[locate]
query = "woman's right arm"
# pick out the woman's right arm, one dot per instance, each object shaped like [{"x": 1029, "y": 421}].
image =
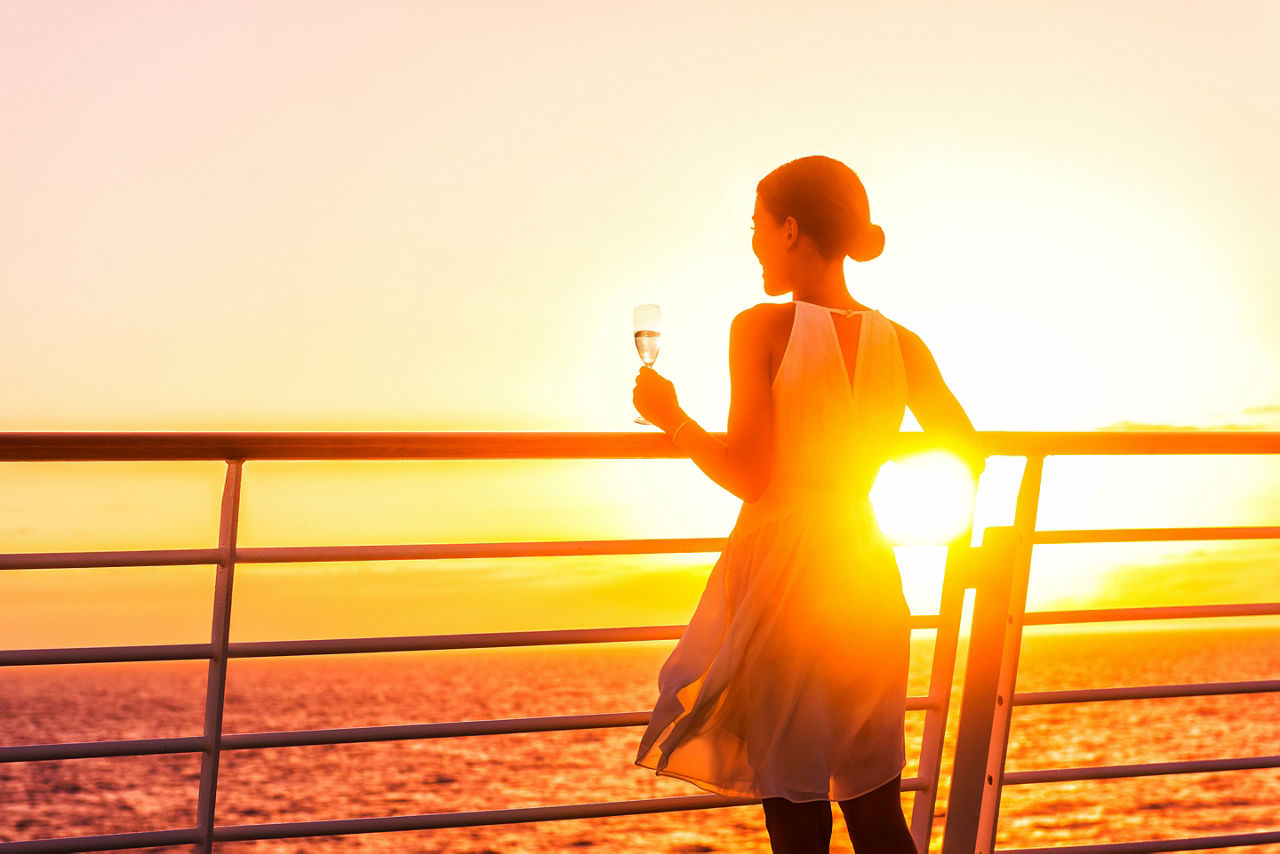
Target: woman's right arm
[
  {"x": 742, "y": 463},
  {"x": 935, "y": 407}
]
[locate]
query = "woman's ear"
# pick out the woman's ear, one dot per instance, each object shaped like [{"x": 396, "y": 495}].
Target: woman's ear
[{"x": 790, "y": 230}]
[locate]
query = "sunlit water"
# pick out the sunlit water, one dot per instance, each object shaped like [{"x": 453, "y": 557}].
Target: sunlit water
[{"x": 124, "y": 701}]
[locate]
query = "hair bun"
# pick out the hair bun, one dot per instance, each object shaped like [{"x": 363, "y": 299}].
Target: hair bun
[
  {"x": 868, "y": 244},
  {"x": 829, "y": 204}
]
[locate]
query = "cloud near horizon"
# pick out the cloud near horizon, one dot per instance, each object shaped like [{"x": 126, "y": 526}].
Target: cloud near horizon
[
  {"x": 1141, "y": 426},
  {"x": 1270, "y": 420}
]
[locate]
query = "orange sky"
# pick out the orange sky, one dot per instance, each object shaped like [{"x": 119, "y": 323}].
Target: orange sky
[{"x": 268, "y": 216}]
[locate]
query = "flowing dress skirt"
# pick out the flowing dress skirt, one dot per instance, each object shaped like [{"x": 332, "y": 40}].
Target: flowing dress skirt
[{"x": 790, "y": 680}]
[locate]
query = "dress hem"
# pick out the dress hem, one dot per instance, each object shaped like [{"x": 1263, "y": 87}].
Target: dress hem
[{"x": 717, "y": 789}]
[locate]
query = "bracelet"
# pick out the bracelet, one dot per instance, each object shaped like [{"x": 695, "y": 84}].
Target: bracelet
[{"x": 676, "y": 432}]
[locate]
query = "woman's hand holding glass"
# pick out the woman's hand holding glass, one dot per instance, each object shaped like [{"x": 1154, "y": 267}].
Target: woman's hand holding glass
[{"x": 654, "y": 398}]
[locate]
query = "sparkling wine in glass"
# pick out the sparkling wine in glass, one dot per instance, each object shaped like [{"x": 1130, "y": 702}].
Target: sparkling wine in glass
[{"x": 648, "y": 328}]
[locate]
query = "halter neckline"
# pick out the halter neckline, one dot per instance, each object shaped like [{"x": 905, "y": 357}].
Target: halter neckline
[{"x": 847, "y": 312}]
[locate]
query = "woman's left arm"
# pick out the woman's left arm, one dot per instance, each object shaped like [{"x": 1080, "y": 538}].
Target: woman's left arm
[
  {"x": 935, "y": 407},
  {"x": 743, "y": 463}
]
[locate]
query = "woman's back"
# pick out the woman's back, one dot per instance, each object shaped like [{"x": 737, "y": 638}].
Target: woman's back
[{"x": 838, "y": 400}]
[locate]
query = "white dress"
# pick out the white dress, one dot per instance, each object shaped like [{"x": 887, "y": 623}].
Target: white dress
[{"x": 791, "y": 678}]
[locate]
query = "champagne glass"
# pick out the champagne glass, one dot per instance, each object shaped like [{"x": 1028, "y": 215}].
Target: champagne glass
[{"x": 648, "y": 328}]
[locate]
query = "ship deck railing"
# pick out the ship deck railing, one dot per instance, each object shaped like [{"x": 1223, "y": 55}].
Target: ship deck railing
[{"x": 997, "y": 571}]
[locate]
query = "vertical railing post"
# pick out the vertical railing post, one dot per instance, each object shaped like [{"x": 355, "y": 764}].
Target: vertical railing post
[
  {"x": 995, "y": 640},
  {"x": 946, "y": 641},
  {"x": 216, "y": 685}
]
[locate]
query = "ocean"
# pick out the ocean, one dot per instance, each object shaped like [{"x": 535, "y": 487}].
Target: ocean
[{"x": 145, "y": 700}]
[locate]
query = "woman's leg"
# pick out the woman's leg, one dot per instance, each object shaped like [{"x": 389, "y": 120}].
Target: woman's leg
[
  {"x": 798, "y": 828},
  {"x": 876, "y": 823}
]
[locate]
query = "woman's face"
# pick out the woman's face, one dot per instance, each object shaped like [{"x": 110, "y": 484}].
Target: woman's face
[{"x": 770, "y": 241}]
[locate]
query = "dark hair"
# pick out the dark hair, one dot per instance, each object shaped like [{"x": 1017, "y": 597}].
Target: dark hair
[{"x": 828, "y": 203}]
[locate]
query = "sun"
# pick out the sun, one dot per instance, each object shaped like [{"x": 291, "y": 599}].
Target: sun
[{"x": 926, "y": 498}]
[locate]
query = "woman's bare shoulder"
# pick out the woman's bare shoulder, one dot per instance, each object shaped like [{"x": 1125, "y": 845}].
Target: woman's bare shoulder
[
  {"x": 762, "y": 310},
  {"x": 762, "y": 316},
  {"x": 915, "y": 354},
  {"x": 908, "y": 340}
]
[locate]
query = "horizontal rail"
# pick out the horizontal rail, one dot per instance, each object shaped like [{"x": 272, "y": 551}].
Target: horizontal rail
[
  {"x": 1147, "y": 769},
  {"x": 544, "y": 548},
  {"x": 1153, "y": 535},
  {"x": 109, "y": 560},
  {"x": 314, "y": 737},
  {"x": 342, "y": 646},
  {"x": 330, "y": 554},
  {"x": 508, "y": 726},
  {"x": 482, "y": 818},
  {"x": 346, "y": 735},
  {"x": 103, "y": 749},
  {"x": 1199, "y": 843},
  {"x": 106, "y": 842},
  {"x": 1145, "y": 692},
  {"x": 424, "y": 643},
  {"x": 94, "y": 446},
  {"x": 479, "y": 818},
  {"x": 552, "y": 548},
  {"x": 106, "y": 654},
  {"x": 1166, "y": 612},
  {"x": 451, "y": 729},
  {"x": 429, "y": 821},
  {"x": 488, "y": 640},
  {"x": 457, "y": 729},
  {"x": 354, "y": 646},
  {"x": 32, "y": 447}
]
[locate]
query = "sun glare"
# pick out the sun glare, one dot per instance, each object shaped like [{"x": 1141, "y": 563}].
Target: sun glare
[{"x": 924, "y": 498}]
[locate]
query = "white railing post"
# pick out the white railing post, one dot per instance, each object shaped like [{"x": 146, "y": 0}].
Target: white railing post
[
  {"x": 216, "y": 686},
  {"x": 995, "y": 639},
  {"x": 942, "y": 673}
]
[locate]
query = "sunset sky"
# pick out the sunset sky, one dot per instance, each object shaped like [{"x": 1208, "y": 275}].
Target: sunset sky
[{"x": 428, "y": 216}]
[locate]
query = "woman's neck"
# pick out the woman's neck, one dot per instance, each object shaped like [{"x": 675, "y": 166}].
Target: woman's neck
[{"x": 824, "y": 285}]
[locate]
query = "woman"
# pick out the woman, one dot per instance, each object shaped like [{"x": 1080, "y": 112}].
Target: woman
[{"x": 789, "y": 684}]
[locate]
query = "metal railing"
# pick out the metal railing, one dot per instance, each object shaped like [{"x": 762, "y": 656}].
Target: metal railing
[
  {"x": 999, "y": 615},
  {"x": 998, "y": 571}
]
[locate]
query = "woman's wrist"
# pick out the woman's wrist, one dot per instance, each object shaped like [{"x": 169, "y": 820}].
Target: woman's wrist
[
  {"x": 677, "y": 421},
  {"x": 675, "y": 434}
]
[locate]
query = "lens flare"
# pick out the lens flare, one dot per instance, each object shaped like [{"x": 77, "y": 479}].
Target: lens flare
[{"x": 924, "y": 498}]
